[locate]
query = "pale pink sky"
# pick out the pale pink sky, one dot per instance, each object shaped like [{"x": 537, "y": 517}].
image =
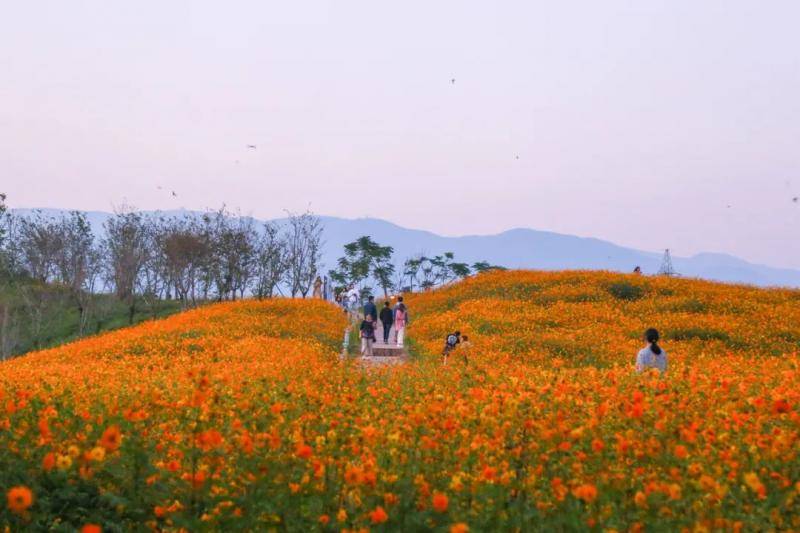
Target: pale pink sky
[{"x": 639, "y": 121}]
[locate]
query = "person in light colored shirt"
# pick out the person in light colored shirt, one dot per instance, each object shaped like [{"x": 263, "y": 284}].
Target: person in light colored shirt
[{"x": 651, "y": 356}]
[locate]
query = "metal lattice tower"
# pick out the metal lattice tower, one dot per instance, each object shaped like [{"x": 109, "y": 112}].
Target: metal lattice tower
[{"x": 666, "y": 268}]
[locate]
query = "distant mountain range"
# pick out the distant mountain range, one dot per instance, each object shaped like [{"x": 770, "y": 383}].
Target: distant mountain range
[{"x": 525, "y": 248}]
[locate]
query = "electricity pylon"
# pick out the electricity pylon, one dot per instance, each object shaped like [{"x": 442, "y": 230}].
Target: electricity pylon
[{"x": 666, "y": 268}]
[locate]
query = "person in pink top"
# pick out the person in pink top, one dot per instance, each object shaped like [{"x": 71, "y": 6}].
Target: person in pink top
[{"x": 400, "y": 320}]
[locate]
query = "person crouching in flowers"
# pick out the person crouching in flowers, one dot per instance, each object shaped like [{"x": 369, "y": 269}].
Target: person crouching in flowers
[
  {"x": 651, "y": 356},
  {"x": 464, "y": 349},
  {"x": 451, "y": 342},
  {"x": 367, "y": 336}
]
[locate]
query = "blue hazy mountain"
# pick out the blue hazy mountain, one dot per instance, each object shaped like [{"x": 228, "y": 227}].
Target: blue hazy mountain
[{"x": 524, "y": 248}]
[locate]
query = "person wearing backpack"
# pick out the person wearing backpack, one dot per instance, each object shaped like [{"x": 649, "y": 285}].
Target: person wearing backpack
[
  {"x": 451, "y": 341},
  {"x": 370, "y": 309},
  {"x": 387, "y": 318},
  {"x": 367, "y": 336},
  {"x": 401, "y": 320}
]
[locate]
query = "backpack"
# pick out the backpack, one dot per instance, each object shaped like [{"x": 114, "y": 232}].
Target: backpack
[{"x": 400, "y": 317}]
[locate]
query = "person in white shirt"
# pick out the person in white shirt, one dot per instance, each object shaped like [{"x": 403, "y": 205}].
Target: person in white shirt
[{"x": 651, "y": 356}]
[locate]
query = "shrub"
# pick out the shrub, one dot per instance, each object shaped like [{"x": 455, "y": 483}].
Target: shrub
[{"x": 625, "y": 290}]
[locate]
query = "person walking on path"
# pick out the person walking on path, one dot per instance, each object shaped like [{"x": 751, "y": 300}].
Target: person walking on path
[
  {"x": 401, "y": 320},
  {"x": 370, "y": 309},
  {"x": 352, "y": 302},
  {"x": 367, "y": 336},
  {"x": 317, "y": 288},
  {"x": 651, "y": 356},
  {"x": 387, "y": 318}
]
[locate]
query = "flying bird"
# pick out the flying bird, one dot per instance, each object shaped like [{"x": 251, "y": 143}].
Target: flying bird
[
  {"x": 251, "y": 146},
  {"x": 517, "y": 157},
  {"x": 173, "y": 194},
  {"x": 795, "y": 199},
  {"x": 452, "y": 81}
]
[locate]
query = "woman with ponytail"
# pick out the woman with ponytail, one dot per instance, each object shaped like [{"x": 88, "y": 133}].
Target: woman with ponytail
[{"x": 651, "y": 356}]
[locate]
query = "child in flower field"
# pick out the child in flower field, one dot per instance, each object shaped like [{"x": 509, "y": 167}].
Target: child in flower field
[
  {"x": 367, "y": 336},
  {"x": 651, "y": 356}
]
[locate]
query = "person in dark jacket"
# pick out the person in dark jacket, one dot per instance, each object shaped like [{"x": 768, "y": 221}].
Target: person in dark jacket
[
  {"x": 370, "y": 309},
  {"x": 367, "y": 336},
  {"x": 387, "y": 317}
]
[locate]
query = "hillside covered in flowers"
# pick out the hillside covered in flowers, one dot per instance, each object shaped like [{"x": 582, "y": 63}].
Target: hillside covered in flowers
[{"x": 242, "y": 416}]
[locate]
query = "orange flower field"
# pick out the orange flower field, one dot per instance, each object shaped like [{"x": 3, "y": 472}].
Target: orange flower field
[{"x": 241, "y": 416}]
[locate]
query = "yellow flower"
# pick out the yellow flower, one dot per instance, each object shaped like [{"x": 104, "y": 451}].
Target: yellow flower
[
  {"x": 63, "y": 462},
  {"x": 98, "y": 453}
]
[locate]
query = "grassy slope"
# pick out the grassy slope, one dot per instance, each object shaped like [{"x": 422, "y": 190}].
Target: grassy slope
[{"x": 61, "y": 317}]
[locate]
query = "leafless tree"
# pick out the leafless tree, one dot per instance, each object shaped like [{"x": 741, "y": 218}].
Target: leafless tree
[
  {"x": 304, "y": 252},
  {"x": 271, "y": 260},
  {"x": 182, "y": 251},
  {"x": 127, "y": 247},
  {"x": 37, "y": 245},
  {"x": 78, "y": 263},
  {"x": 232, "y": 259}
]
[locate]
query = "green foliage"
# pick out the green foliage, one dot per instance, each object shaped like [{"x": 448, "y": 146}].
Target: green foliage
[
  {"x": 364, "y": 258},
  {"x": 625, "y": 290}
]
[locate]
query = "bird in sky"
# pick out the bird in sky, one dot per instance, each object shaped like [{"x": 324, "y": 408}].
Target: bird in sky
[
  {"x": 517, "y": 157},
  {"x": 452, "y": 80},
  {"x": 795, "y": 199},
  {"x": 251, "y": 146},
  {"x": 174, "y": 194}
]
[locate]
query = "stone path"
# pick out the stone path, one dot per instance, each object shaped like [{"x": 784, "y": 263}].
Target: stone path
[{"x": 382, "y": 354}]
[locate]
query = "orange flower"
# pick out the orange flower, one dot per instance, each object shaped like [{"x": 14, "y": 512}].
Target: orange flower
[
  {"x": 49, "y": 461},
  {"x": 91, "y": 528},
  {"x": 440, "y": 502},
  {"x": 378, "y": 515},
  {"x": 304, "y": 451},
  {"x": 111, "y": 438},
  {"x": 460, "y": 527},
  {"x": 681, "y": 452},
  {"x": 640, "y": 499},
  {"x": 19, "y": 498},
  {"x": 586, "y": 492},
  {"x": 781, "y": 406}
]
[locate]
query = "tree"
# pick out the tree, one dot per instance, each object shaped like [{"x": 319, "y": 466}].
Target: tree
[
  {"x": 182, "y": 252},
  {"x": 364, "y": 258},
  {"x": 3, "y": 231},
  {"x": 429, "y": 272},
  {"x": 38, "y": 242},
  {"x": 304, "y": 249},
  {"x": 233, "y": 253},
  {"x": 127, "y": 248},
  {"x": 271, "y": 260},
  {"x": 484, "y": 266},
  {"x": 78, "y": 262}
]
